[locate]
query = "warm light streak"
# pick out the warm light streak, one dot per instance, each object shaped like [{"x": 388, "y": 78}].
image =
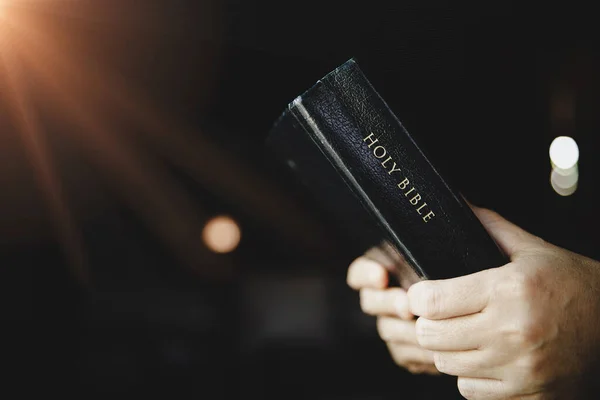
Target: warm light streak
[
  {"x": 3, "y": 16},
  {"x": 58, "y": 70},
  {"x": 43, "y": 164},
  {"x": 41, "y": 69}
]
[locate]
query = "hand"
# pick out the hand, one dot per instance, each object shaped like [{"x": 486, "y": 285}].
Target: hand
[
  {"x": 396, "y": 325},
  {"x": 526, "y": 330}
]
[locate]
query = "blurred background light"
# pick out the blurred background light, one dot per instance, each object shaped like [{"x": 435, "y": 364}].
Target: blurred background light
[
  {"x": 221, "y": 234},
  {"x": 564, "y": 156},
  {"x": 148, "y": 118},
  {"x": 564, "y": 185},
  {"x": 564, "y": 180},
  {"x": 564, "y": 153}
]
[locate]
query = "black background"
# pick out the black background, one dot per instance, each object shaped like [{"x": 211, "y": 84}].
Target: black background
[{"x": 473, "y": 83}]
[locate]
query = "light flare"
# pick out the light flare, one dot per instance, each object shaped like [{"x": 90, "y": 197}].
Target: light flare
[
  {"x": 37, "y": 66},
  {"x": 50, "y": 68},
  {"x": 564, "y": 157}
]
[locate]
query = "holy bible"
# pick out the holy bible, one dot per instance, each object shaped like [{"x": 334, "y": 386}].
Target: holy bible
[{"x": 349, "y": 149}]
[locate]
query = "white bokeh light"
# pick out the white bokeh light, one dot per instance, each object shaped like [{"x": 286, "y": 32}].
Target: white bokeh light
[
  {"x": 564, "y": 156},
  {"x": 561, "y": 188},
  {"x": 564, "y": 181},
  {"x": 564, "y": 153}
]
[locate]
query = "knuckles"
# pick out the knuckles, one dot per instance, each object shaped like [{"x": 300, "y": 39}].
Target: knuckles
[
  {"x": 526, "y": 326},
  {"x": 516, "y": 285},
  {"x": 525, "y": 287},
  {"x": 531, "y": 367},
  {"x": 524, "y": 333}
]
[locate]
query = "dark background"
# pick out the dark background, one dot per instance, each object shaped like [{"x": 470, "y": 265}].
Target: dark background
[{"x": 476, "y": 85}]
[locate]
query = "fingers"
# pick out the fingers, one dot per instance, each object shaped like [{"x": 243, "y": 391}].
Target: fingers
[
  {"x": 455, "y": 334},
  {"x": 483, "y": 389},
  {"x": 392, "y": 301},
  {"x": 406, "y": 354},
  {"x": 422, "y": 369},
  {"x": 450, "y": 298},
  {"x": 396, "y": 330},
  {"x": 472, "y": 363},
  {"x": 366, "y": 273},
  {"x": 371, "y": 278},
  {"x": 509, "y": 236}
]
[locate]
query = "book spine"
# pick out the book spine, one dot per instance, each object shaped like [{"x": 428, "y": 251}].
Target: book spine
[
  {"x": 303, "y": 117},
  {"x": 412, "y": 204}
]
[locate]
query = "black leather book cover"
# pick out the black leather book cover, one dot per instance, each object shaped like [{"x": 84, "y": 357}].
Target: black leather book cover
[{"x": 363, "y": 167}]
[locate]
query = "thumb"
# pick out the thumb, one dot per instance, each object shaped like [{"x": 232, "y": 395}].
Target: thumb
[{"x": 509, "y": 236}]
